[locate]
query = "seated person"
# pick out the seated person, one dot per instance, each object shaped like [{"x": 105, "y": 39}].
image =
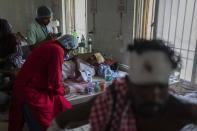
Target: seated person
[
  {"x": 10, "y": 60},
  {"x": 10, "y": 48},
  {"x": 140, "y": 101}
]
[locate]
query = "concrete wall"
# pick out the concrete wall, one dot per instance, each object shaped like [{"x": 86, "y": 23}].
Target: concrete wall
[
  {"x": 108, "y": 27},
  {"x": 20, "y": 13}
]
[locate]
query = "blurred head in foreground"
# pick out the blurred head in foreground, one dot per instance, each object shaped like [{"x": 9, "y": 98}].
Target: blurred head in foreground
[{"x": 151, "y": 63}]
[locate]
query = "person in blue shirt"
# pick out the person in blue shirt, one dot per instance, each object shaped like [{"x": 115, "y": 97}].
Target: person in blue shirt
[{"x": 39, "y": 30}]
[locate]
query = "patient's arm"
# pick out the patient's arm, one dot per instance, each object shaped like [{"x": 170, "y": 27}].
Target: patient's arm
[{"x": 75, "y": 117}]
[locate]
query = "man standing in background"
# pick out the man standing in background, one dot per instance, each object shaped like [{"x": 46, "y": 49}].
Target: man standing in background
[{"x": 38, "y": 30}]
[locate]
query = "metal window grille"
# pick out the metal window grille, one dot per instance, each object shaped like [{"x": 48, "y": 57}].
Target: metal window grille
[{"x": 174, "y": 21}]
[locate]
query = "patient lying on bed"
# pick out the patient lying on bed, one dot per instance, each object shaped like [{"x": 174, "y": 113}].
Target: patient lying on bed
[{"x": 95, "y": 64}]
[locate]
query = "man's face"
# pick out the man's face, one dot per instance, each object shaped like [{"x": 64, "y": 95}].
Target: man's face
[
  {"x": 45, "y": 20},
  {"x": 149, "y": 100}
]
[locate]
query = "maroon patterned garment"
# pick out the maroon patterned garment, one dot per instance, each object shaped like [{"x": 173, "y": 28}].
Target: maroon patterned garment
[{"x": 122, "y": 118}]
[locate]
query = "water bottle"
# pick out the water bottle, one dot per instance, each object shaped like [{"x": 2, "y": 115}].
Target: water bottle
[
  {"x": 89, "y": 76},
  {"x": 83, "y": 39},
  {"x": 74, "y": 33},
  {"x": 89, "y": 46},
  {"x": 81, "y": 47},
  {"x": 90, "y": 42},
  {"x": 76, "y": 36},
  {"x": 89, "y": 89},
  {"x": 115, "y": 74},
  {"x": 96, "y": 87},
  {"x": 108, "y": 74}
]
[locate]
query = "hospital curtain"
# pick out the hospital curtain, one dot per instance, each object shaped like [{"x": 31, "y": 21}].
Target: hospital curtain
[
  {"x": 70, "y": 16},
  {"x": 142, "y": 20}
]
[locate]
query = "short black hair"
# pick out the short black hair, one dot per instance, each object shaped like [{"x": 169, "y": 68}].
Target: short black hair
[{"x": 143, "y": 45}]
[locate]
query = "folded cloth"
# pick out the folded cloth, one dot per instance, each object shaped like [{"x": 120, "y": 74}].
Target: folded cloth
[
  {"x": 76, "y": 87},
  {"x": 190, "y": 127},
  {"x": 189, "y": 97},
  {"x": 68, "y": 69},
  {"x": 86, "y": 70}
]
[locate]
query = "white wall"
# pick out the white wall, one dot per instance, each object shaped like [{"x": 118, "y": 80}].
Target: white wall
[
  {"x": 20, "y": 13},
  {"x": 108, "y": 26},
  {"x": 80, "y": 17}
]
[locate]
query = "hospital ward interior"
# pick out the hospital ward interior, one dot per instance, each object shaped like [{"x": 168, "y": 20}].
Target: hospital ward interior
[{"x": 98, "y": 65}]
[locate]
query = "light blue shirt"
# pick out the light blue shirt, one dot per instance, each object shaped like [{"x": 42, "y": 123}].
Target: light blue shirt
[{"x": 36, "y": 33}]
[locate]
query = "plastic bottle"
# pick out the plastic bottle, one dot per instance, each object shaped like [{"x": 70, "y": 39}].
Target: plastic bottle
[
  {"x": 81, "y": 48},
  {"x": 89, "y": 76},
  {"x": 76, "y": 36},
  {"x": 90, "y": 42},
  {"x": 82, "y": 39},
  {"x": 108, "y": 74},
  {"x": 74, "y": 33},
  {"x": 96, "y": 87},
  {"x": 89, "y": 89}
]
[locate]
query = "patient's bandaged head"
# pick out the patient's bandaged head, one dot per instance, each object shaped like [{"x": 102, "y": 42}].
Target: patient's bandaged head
[
  {"x": 149, "y": 67},
  {"x": 151, "y": 61},
  {"x": 99, "y": 58}
]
